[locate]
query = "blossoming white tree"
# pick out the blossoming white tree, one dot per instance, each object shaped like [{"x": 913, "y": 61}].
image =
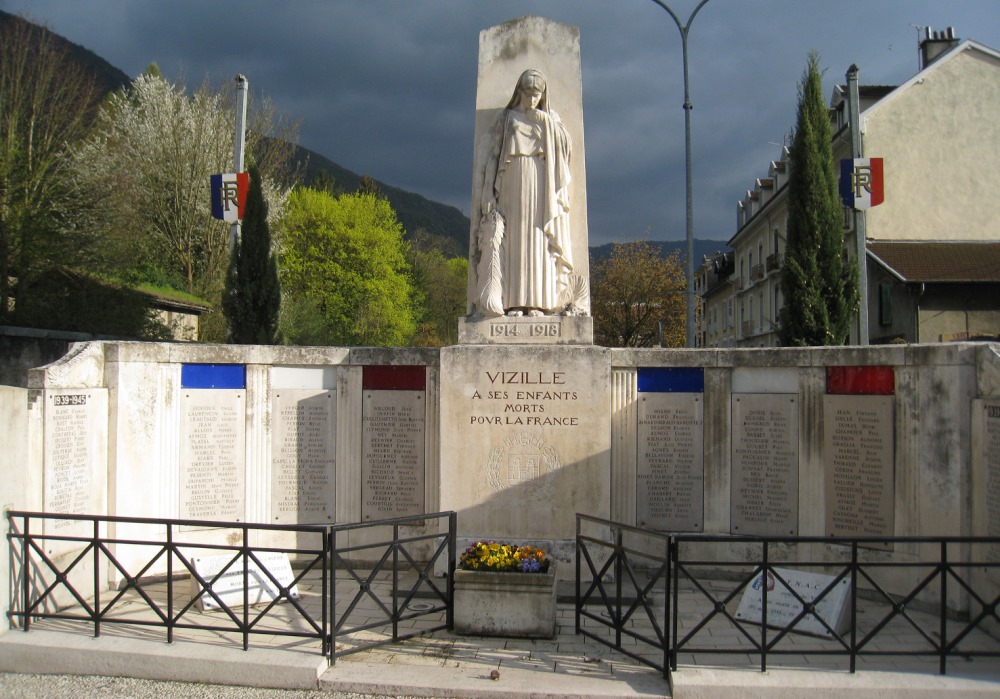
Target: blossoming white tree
[{"x": 147, "y": 167}]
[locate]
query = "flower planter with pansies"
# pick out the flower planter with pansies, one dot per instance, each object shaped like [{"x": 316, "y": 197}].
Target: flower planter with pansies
[{"x": 504, "y": 590}]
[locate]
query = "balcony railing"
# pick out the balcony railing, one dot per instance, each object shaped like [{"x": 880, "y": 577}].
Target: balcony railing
[
  {"x": 773, "y": 262},
  {"x": 756, "y": 273}
]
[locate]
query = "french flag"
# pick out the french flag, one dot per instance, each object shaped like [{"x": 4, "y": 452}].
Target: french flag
[
  {"x": 229, "y": 195},
  {"x": 862, "y": 185}
]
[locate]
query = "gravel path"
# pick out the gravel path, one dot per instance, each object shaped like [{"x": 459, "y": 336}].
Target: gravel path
[{"x": 17, "y": 686}]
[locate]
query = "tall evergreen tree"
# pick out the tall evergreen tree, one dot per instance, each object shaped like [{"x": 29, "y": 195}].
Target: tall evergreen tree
[
  {"x": 252, "y": 297},
  {"x": 819, "y": 285}
]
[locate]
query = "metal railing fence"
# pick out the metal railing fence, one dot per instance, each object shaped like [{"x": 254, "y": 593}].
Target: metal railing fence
[
  {"x": 411, "y": 577},
  {"x": 108, "y": 570},
  {"x": 918, "y": 597}
]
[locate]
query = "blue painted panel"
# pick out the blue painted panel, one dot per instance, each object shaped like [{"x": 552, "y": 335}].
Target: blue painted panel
[
  {"x": 213, "y": 376},
  {"x": 671, "y": 380}
]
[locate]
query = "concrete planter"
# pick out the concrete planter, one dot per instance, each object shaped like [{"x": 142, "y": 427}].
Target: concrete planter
[{"x": 521, "y": 605}]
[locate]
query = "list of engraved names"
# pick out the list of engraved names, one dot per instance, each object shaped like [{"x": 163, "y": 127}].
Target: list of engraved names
[
  {"x": 302, "y": 456},
  {"x": 765, "y": 490},
  {"x": 670, "y": 455},
  {"x": 991, "y": 440},
  {"x": 68, "y": 461},
  {"x": 859, "y": 465},
  {"x": 392, "y": 465},
  {"x": 213, "y": 428}
]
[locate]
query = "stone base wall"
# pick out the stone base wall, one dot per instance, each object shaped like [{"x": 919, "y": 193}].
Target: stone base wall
[{"x": 880, "y": 441}]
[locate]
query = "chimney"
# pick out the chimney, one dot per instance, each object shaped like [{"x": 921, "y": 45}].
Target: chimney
[{"x": 936, "y": 43}]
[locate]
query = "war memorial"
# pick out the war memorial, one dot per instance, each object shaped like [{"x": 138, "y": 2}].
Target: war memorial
[{"x": 524, "y": 424}]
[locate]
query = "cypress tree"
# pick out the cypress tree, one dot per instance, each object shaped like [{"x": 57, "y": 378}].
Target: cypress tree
[
  {"x": 252, "y": 296},
  {"x": 818, "y": 284}
]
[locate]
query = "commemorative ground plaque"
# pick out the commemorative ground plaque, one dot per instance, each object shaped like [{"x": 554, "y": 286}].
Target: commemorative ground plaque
[{"x": 828, "y": 599}]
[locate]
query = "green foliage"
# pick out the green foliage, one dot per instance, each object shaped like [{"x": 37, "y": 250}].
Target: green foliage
[
  {"x": 46, "y": 103},
  {"x": 633, "y": 290},
  {"x": 441, "y": 285},
  {"x": 344, "y": 271},
  {"x": 252, "y": 296},
  {"x": 370, "y": 186},
  {"x": 147, "y": 166},
  {"x": 819, "y": 287}
]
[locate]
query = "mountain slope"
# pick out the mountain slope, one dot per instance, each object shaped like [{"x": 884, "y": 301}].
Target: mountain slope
[
  {"x": 701, "y": 248},
  {"x": 106, "y": 77},
  {"x": 414, "y": 211}
]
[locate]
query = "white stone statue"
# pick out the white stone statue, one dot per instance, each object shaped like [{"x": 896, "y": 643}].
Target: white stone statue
[{"x": 526, "y": 261}]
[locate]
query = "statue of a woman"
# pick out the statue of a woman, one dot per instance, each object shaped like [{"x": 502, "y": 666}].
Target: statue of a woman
[{"x": 524, "y": 235}]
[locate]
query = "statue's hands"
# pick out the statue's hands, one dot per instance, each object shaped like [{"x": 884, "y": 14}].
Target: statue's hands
[{"x": 488, "y": 205}]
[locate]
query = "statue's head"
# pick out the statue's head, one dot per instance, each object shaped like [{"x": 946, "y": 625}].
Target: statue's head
[{"x": 531, "y": 83}]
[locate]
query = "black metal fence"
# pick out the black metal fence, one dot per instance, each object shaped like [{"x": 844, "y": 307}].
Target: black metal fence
[
  {"x": 105, "y": 570},
  {"x": 619, "y": 570},
  {"x": 932, "y": 598},
  {"x": 394, "y": 577}
]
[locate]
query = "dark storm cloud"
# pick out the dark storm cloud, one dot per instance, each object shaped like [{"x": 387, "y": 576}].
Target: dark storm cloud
[{"x": 387, "y": 87}]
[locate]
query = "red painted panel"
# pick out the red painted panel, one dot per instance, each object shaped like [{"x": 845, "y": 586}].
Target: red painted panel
[
  {"x": 394, "y": 378},
  {"x": 861, "y": 380}
]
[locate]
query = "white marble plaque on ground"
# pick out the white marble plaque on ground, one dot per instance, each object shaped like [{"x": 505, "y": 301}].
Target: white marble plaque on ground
[
  {"x": 783, "y": 607},
  {"x": 75, "y": 446},
  {"x": 991, "y": 460},
  {"x": 669, "y": 463},
  {"x": 858, "y": 455},
  {"x": 303, "y": 452},
  {"x": 392, "y": 461},
  {"x": 229, "y": 587},
  {"x": 213, "y": 445},
  {"x": 765, "y": 463}
]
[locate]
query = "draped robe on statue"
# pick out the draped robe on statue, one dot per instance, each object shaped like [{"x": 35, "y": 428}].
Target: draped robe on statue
[{"x": 532, "y": 194}]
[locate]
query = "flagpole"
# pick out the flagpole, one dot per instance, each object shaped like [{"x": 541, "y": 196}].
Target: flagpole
[
  {"x": 242, "y": 86},
  {"x": 854, "y": 115}
]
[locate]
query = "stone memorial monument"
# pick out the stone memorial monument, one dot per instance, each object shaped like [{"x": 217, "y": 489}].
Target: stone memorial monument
[
  {"x": 525, "y": 392},
  {"x": 528, "y": 247}
]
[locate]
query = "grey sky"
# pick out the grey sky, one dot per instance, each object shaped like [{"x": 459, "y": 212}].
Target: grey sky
[{"x": 387, "y": 87}]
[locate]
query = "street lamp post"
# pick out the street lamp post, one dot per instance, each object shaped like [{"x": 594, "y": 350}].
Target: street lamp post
[{"x": 684, "y": 29}]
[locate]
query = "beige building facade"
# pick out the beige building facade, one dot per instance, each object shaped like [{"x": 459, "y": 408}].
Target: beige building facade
[{"x": 939, "y": 140}]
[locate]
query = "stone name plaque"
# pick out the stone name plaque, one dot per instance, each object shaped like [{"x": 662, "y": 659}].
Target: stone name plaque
[
  {"x": 303, "y": 452},
  {"x": 229, "y": 586},
  {"x": 74, "y": 451},
  {"x": 783, "y": 607},
  {"x": 991, "y": 460},
  {"x": 669, "y": 463},
  {"x": 213, "y": 444},
  {"x": 765, "y": 458},
  {"x": 858, "y": 455},
  {"x": 392, "y": 461}
]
